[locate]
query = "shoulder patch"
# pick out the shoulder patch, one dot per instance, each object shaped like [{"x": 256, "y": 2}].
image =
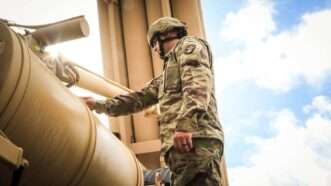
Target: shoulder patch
[
  {"x": 203, "y": 54},
  {"x": 189, "y": 49}
]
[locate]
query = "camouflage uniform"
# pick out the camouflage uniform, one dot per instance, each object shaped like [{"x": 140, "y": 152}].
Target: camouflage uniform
[{"x": 185, "y": 93}]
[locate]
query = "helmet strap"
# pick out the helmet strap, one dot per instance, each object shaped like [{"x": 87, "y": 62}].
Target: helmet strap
[
  {"x": 161, "y": 42},
  {"x": 162, "y": 52},
  {"x": 180, "y": 33}
]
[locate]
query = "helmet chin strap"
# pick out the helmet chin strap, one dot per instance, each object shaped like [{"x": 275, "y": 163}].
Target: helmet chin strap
[
  {"x": 162, "y": 53},
  {"x": 161, "y": 42}
]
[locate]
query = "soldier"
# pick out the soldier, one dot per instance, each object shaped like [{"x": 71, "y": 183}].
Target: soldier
[{"x": 190, "y": 131}]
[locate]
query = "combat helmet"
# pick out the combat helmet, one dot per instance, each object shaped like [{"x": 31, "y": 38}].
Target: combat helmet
[{"x": 165, "y": 24}]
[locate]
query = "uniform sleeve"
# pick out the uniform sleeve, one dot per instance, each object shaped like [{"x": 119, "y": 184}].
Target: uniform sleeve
[
  {"x": 196, "y": 78},
  {"x": 132, "y": 102}
]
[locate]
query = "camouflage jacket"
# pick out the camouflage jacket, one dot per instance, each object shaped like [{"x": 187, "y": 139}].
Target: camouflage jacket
[{"x": 184, "y": 91}]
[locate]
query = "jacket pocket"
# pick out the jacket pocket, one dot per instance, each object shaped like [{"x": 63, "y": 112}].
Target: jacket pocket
[{"x": 172, "y": 82}]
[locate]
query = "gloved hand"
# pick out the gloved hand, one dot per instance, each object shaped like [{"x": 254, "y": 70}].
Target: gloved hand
[
  {"x": 61, "y": 67},
  {"x": 66, "y": 71}
]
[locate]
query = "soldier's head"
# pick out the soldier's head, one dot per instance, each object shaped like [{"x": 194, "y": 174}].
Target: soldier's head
[{"x": 163, "y": 31}]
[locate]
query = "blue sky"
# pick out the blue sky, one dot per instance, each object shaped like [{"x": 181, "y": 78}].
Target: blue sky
[{"x": 273, "y": 75}]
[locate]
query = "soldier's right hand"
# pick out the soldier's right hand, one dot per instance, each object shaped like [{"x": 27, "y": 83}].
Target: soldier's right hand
[
  {"x": 183, "y": 141},
  {"x": 90, "y": 102}
]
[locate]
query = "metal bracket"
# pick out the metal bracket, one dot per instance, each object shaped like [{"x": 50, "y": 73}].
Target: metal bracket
[{"x": 12, "y": 155}]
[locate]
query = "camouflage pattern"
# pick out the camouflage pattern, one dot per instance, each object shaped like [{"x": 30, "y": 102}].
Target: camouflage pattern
[
  {"x": 162, "y": 25},
  {"x": 200, "y": 166},
  {"x": 184, "y": 91}
]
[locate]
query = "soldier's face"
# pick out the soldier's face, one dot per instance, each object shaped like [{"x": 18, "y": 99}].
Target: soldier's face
[{"x": 166, "y": 44}]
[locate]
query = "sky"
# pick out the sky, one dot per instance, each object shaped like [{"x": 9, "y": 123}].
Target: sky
[
  {"x": 272, "y": 64},
  {"x": 273, "y": 75}
]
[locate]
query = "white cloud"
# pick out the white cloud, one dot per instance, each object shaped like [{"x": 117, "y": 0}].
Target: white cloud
[
  {"x": 320, "y": 103},
  {"x": 296, "y": 155},
  {"x": 275, "y": 61},
  {"x": 252, "y": 23}
]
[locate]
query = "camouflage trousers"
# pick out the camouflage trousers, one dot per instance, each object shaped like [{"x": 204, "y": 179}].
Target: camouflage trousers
[{"x": 200, "y": 166}]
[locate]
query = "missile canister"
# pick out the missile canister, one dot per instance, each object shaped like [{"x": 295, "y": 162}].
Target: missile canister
[{"x": 62, "y": 140}]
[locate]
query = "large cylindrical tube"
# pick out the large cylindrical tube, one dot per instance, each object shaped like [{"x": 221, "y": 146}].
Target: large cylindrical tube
[
  {"x": 139, "y": 62},
  {"x": 98, "y": 84},
  {"x": 63, "y": 142},
  {"x": 62, "y": 31},
  {"x": 113, "y": 57},
  {"x": 156, "y": 9},
  {"x": 194, "y": 23}
]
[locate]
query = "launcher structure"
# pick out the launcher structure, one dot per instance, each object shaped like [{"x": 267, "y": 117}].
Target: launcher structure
[{"x": 127, "y": 59}]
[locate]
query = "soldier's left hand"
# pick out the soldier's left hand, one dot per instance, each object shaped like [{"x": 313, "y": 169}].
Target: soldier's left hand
[{"x": 183, "y": 141}]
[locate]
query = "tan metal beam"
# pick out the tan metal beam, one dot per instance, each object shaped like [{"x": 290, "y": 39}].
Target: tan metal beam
[
  {"x": 146, "y": 146},
  {"x": 192, "y": 15},
  {"x": 62, "y": 31},
  {"x": 10, "y": 153},
  {"x": 139, "y": 61},
  {"x": 98, "y": 84},
  {"x": 156, "y": 9},
  {"x": 166, "y": 8},
  {"x": 113, "y": 55},
  {"x": 225, "y": 178}
]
